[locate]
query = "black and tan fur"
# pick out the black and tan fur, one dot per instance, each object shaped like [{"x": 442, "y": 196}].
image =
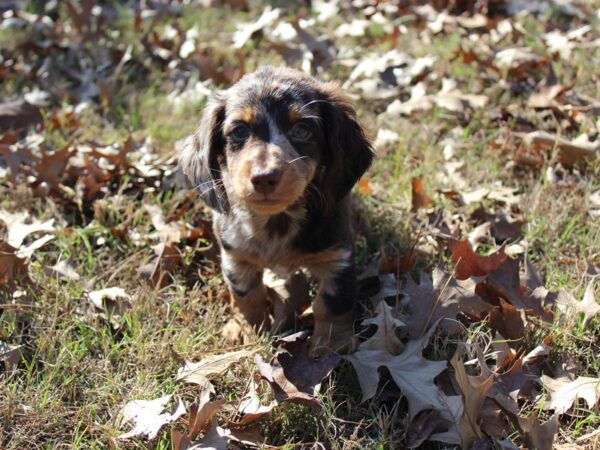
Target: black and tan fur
[{"x": 275, "y": 157}]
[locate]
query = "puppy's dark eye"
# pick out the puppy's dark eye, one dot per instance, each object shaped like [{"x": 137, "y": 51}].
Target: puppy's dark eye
[
  {"x": 240, "y": 133},
  {"x": 301, "y": 132}
]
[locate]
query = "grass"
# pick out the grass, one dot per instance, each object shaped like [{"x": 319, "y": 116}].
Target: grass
[{"x": 77, "y": 371}]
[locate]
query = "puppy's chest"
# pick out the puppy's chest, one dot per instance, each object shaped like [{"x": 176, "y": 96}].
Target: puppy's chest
[{"x": 264, "y": 241}]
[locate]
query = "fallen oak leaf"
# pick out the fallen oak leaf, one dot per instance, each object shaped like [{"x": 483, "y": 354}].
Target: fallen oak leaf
[
  {"x": 470, "y": 264},
  {"x": 539, "y": 435},
  {"x": 451, "y": 418},
  {"x": 500, "y": 194},
  {"x": 448, "y": 97},
  {"x": 561, "y": 395},
  {"x": 109, "y": 304},
  {"x": 12, "y": 266},
  {"x": 18, "y": 114},
  {"x": 474, "y": 397},
  {"x": 504, "y": 280},
  {"x": 10, "y": 355},
  {"x": 440, "y": 300},
  {"x": 168, "y": 233},
  {"x": 149, "y": 416},
  {"x": 160, "y": 271},
  {"x": 419, "y": 198},
  {"x": 569, "y": 152},
  {"x": 506, "y": 320},
  {"x": 50, "y": 169},
  {"x": 296, "y": 377},
  {"x": 588, "y": 306},
  {"x": 429, "y": 424},
  {"x": 63, "y": 269},
  {"x": 200, "y": 372},
  {"x": 519, "y": 62},
  {"x": 385, "y": 337},
  {"x": 202, "y": 413},
  {"x": 18, "y": 229},
  {"x": 201, "y": 420},
  {"x": 250, "y": 408},
  {"x": 364, "y": 187},
  {"x": 413, "y": 374}
]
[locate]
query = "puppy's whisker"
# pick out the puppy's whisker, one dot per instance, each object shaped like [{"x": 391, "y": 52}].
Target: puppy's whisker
[
  {"x": 313, "y": 102},
  {"x": 207, "y": 186},
  {"x": 322, "y": 199},
  {"x": 297, "y": 159},
  {"x": 317, "y": 118}
]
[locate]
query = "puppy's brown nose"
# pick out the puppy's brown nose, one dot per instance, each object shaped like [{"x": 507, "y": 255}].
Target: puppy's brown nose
[{"x": 265, "y": 181}]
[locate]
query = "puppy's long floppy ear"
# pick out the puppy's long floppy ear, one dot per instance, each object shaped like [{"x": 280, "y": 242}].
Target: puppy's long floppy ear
[
  {"x": 349, "y": 152},
  {"x": 201, "y": 153}
]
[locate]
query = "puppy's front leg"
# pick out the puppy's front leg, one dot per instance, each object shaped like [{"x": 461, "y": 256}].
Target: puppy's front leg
[
  {"x": 249, "y": 297},
  {"x": 334, "y": 312}
]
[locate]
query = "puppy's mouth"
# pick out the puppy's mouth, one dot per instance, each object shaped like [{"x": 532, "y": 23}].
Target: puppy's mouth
[{"x": 267, "y": 204}]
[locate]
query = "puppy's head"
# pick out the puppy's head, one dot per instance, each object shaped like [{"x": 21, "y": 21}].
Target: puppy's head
[{"x": 272, "y": 137}]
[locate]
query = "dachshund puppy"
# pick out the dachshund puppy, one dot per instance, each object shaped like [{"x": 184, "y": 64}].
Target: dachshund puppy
[{"x": 275, "y": 157}]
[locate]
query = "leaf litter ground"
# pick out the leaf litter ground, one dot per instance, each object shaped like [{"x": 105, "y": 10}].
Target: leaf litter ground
[{"x": 486, "y": 179}]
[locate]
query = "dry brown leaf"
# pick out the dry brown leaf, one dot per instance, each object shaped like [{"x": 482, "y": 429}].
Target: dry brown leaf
[
  {"x": 110, "y": 304},
  {"x": 480, "y": 235},
  {"x": 539, "y": 435},
  {"x": 519, "y": 62},
  {"x": 440, "y": 301},
  {"x": 250, "y": 408},
  {"x": 18, "y": 114},
  {"x": 451, "y": 421},
  {"x": 413, "y": 374},
  {"x": 547, "y": 92},
  {"x": 364, "y": 187},
  {"x": 168, "y": 233},
  {"x": 12, "y": 266},
  {"x": 50, "y": 169},
  {"x": 245, "y": 31},
  {"x": 506, "y": 320},
  {"x": 474, "y": 397},
  {"x": 561, "y": 394},
  {"x": 501, "y": 194},
  {"x": 64, "y": 269},
  {"x": 569, "y": 152},
  {"x": 294, "y": 376},
  {"x": 470, "y": 264},
  {"x": 429, "y": 424},
  {"x": 448, "y": 97},
  {"x": 18, "y": 228},
  {"x": 419, "y": 198},
  {"x": 514, "y": 385},
  {"x": 159, "y": 272},
  {"x": 202, "y": 413},
  {"x": 588, "y": 306},
  {"x": 10, "y": 355},
  {"x": 213, "y": 365},
  {"x": 385, "y": 338},
  {"x": 505, "y": 281},
  {"x": 149, "y": 416},
  {"x": 202, "y": 420}
]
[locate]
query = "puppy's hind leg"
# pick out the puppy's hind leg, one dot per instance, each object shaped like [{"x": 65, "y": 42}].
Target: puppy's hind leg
[{"x": 249, "y": 298}]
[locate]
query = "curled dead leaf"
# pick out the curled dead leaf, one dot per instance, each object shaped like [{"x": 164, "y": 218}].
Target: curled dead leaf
[{"x": 149, "y": 416}]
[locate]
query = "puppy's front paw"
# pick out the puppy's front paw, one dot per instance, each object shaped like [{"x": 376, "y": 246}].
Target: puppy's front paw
[
  {"x": 332, "y": 336},
  {"x": 234, "y": 332}
]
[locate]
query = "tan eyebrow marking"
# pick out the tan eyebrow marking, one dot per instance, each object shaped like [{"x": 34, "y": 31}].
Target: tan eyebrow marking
[
  {"x": 245, "y": 114},
  {"x": 294, "y": 114}
]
